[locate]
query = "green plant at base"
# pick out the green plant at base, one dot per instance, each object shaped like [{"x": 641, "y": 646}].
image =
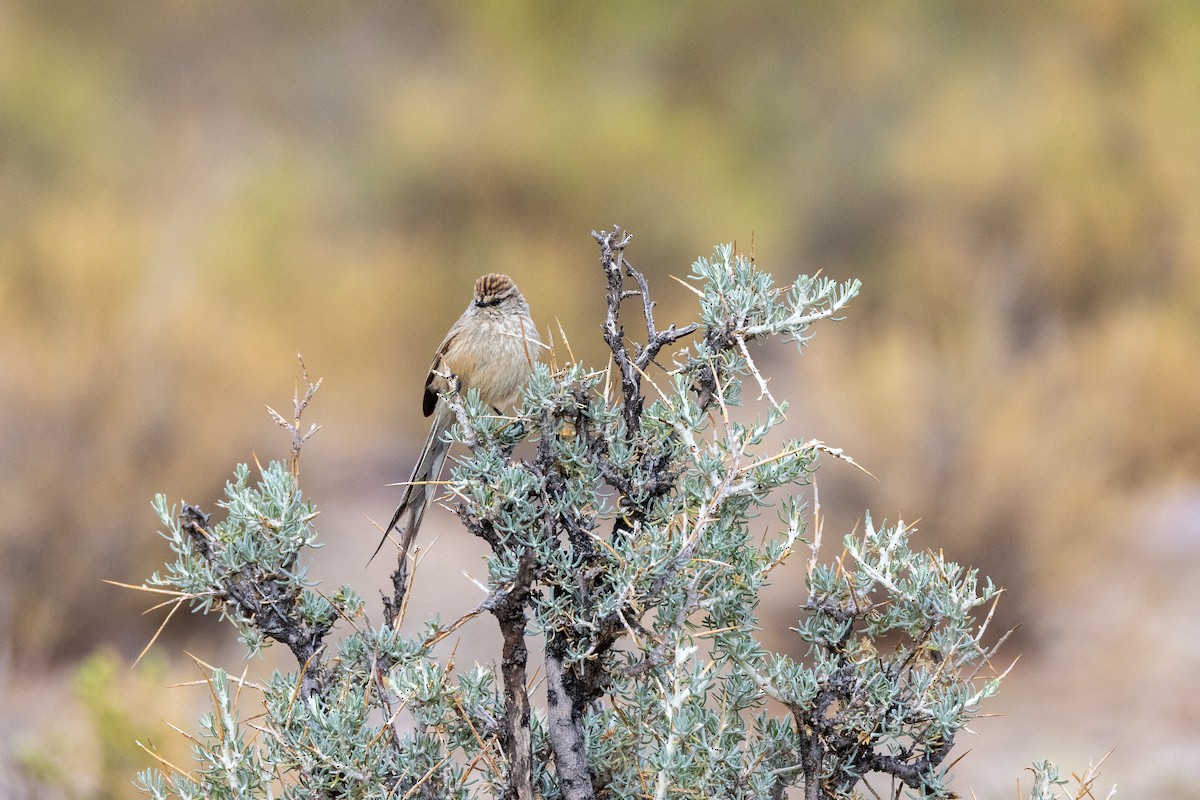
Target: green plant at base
[{"x": 94, "y": 760}]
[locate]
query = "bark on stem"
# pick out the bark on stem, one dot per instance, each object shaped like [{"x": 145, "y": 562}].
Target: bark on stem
[
  {"x": 517, "y": 741},
  {"x": 565, "y": 722}
]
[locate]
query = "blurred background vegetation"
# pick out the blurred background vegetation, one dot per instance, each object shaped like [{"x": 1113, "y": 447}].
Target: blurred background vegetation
[{"x": 192, "y": 192}]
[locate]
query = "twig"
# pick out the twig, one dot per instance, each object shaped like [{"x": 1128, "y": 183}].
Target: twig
[
  {"x": 612, "y": 260},
  {"x": 293, "y": 426},
  {"x": 763, "y": 391}
]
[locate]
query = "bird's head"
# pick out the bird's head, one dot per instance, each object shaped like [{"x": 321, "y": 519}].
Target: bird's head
[{"x": 493, "y": 289}]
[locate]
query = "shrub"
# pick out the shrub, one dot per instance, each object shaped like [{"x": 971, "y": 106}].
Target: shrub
[{"x": 622, "y": 543}]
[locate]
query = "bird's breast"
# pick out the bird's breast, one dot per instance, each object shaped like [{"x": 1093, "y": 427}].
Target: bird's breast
[{"x": 494, "y": 356}]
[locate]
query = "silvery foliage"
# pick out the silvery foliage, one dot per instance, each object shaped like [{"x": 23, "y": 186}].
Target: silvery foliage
[{"x": 631, "y": 549}]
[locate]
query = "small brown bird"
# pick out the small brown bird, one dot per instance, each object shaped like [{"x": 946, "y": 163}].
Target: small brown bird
[{"x": 491, "y": 348}]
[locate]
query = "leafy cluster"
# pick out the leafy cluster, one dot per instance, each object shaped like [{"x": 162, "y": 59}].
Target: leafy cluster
[
  {"x": 247, "y": 567},
  {"x": 629, "y": 542}
]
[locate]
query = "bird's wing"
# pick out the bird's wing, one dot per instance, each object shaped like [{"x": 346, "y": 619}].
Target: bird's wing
[{"x": 430, "y": 397}]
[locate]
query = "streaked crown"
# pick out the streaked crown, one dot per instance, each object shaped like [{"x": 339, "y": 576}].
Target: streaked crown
[{"x": 493, "y": 288}]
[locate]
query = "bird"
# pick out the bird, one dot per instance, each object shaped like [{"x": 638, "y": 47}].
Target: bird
[{"x": 491, "y": 348}]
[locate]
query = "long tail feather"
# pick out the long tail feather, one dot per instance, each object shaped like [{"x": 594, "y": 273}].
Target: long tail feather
[{"x": 420, "y": 488}]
